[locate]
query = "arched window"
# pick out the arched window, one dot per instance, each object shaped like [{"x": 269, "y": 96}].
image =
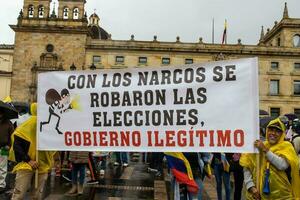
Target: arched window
[
  {"x": 296, "y": 40},
  {"x": 95, "y": 32},
  {"x": 30, "y": 11},
  {"x": 66, "y": 13},
  {"x": 76, "y": 13},
  {"x": 41, "y": 11}
]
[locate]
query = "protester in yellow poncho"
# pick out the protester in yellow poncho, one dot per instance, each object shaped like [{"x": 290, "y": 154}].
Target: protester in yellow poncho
[
  {"x": 280, "y": 156},
  {"x": 23, "y": 151}
]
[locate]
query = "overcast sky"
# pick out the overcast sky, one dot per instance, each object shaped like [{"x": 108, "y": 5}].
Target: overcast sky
[{"x": 189, "y": 19}]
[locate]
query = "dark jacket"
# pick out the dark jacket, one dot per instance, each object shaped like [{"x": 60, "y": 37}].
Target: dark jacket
[
  {"x": 6, "y": 129},
  {"x": 21, "y": 148}
]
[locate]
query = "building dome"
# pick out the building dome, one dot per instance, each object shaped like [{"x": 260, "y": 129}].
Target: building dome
[{"x": 96, "y": 32}]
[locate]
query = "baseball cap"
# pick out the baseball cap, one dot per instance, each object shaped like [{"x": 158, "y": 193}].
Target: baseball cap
[{"x": 276, "y": 123}]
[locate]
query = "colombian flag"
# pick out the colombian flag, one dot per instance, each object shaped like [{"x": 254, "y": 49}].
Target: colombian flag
[
  {"x": 182, "y": 171},
  {"x": 224, "y": 38}
]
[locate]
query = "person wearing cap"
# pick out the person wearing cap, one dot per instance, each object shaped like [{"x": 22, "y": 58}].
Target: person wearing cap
[{"x": 280, "y": 159}]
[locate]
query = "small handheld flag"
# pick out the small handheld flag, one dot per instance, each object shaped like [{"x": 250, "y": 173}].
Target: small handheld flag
[
  {"x": 181, "y": 170},
  {"x": 226, "y": 165},
  {"x": 208, "y": 170}
]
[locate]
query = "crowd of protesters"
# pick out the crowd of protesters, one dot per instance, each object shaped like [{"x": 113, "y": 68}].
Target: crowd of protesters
[{"x": 273, "y": 173}]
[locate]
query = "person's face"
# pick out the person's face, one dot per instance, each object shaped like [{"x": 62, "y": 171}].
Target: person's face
[{"x": 274, "y": 135}]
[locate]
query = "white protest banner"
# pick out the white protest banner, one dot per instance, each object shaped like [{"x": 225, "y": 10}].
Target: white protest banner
[{"x": 210, "y": 107}]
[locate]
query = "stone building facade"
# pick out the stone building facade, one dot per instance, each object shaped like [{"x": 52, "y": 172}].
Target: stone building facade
[
  {"x": 46, "y": 41},
  {"x": 6, "y": 60}
]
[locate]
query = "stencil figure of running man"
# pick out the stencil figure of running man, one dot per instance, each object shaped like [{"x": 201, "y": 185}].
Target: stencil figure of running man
[
  {"x": 58, "y": 105},
  {"x": 54, "y": 100}
]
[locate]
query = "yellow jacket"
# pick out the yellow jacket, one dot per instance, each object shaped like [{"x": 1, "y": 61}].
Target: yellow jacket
[
  {"x": 280, "y": 186},
  {"x": 27, "y": 131}
]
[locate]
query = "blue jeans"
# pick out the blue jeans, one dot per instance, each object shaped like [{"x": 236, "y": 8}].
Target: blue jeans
[
  {"x": 199, "y": 194},
  {"x": 221, "y": 174},
  {"x": 122, "y": 157},
  {"x": 78, "y": 168}
]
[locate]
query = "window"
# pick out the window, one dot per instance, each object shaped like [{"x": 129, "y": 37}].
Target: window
[
  {"x": 296, "y": 40},
  {"x": 297, "y": 112},
  {"x": 278, "y": 42},
  {"x": 76, "y": 13},
  {"x": 49, "y": 48},
  {"x": 41, "y": 11},
  {"x": 275, "y": 65},
  {"x": 297, "y": 66},
  {"x": 30, "y": 11},
  {"x": 142, "y": 60},
  {"x": 165, "y": 61},
  {"x": 275, "y": 112},
  {"x": 96, "y": 59},
  {"x": 66, "y": 13},
  {"x": 189, "y": 61},
  {"x": 119, "y": 59},
  {"x": 274, "y": 87},
  {"x": 296, "y": 87}
]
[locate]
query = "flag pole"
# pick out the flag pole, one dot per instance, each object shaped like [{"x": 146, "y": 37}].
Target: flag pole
[
  {"x": 226, "y": 31},
  {"x": 36, "y": 177},
  {"x": 213, "y": 30},
  {"x": 258, "y": 171}
]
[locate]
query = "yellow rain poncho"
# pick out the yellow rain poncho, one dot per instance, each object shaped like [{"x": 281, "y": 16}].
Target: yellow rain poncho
[
  {"x": 280, "y": 186},
  {"x": 27, "y": 131}
]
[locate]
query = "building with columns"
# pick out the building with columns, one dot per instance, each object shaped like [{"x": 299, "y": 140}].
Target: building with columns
[{"x": 69, "y": 40}]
